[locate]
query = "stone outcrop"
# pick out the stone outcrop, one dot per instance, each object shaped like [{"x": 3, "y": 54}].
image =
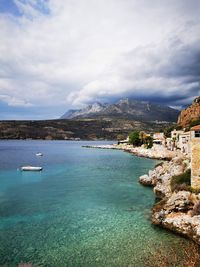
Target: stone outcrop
[
  {"x": 190, "y": 114},
  {"x": 161, "y": 175},
  {"x": 174, "y": 214},
  {"x": 175, "y": 210}
]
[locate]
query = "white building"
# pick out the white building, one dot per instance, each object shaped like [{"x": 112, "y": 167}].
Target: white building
[
  {"x": 158, "y": 139},
  {"x": 184, "y": 143}
]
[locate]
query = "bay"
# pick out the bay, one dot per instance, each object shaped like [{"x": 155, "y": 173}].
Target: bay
[{"x": 86, "y": 208}]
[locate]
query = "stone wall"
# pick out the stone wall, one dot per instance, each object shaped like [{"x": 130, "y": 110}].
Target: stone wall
[{"x": 195, "y": 163}]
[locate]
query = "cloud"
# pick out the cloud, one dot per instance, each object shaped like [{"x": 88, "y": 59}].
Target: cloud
[
  {"x": 68, "y": 53},
  {"x": 14, "y": 102}
]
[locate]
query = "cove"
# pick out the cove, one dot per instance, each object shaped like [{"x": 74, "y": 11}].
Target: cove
[{"x": 86, "y": 208}]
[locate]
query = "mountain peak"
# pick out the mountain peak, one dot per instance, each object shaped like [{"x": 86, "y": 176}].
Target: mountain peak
[
  {"x": 126, "y": 108},
  {"x": 123, "y": 101}
]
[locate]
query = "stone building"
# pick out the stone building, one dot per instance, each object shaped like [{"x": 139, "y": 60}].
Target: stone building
[
  {"x": 195, "y": 156},
  {"x": 158, "y": 139},
  {"x": 175, "y": 133},
  {"x": 184, "y": 143}
]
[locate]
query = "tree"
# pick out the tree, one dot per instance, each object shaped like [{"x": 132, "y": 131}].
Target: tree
[
  {"x": 120, "y": 137},
  {"x": 148, "y": 141},
  {"x": 134, "y": 139}
]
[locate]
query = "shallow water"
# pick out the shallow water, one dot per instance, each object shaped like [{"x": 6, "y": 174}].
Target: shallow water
[{"x": 86, "y": 208}]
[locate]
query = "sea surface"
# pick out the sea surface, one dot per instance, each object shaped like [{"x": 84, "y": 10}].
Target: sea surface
[{"x": 86, "y": 208}]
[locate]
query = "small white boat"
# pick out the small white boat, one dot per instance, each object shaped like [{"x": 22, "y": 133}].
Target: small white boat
[
  {"x": 31, "y": 168},
  {"x": 39, "y": 154}
]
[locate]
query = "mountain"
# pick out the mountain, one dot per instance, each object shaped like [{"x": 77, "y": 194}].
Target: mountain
[
  {"x": 127, "y": 109},
  {"x": 89, "y": 110},
  {"x": 190, "y": 114}
]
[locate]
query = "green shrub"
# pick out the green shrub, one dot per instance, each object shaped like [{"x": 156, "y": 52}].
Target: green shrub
[
  {"x": 134, "y": 139},
  {"x": 181, "y": 182},
  {"x": 193, "y": 190},
  {"x": 148, "y": 141},
  {"x": 194, "y": 123}
]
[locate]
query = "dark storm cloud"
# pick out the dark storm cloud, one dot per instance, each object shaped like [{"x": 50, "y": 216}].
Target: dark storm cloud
[{"x": 69, "y": 53}]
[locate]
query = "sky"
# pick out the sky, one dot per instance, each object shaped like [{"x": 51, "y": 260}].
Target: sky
[{"x": 61, "y": 54}]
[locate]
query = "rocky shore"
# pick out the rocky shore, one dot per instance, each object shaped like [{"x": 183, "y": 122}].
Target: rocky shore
[
  {"x": 153, "y": 153},
  {"x": 177, "y": 210}
]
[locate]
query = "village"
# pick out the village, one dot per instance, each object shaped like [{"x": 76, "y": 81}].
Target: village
[{"x": 182, "y": 144}]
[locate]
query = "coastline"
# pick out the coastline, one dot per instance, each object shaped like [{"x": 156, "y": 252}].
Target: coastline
[
  {"x": 160, "y": 154},
  {"x": 176, "y": 210}
]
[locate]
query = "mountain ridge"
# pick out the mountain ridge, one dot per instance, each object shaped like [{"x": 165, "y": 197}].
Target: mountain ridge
[{"x": 125, "y": 108}]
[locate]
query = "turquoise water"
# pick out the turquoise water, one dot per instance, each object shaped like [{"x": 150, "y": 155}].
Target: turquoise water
[{"x": 86, "y": 208}]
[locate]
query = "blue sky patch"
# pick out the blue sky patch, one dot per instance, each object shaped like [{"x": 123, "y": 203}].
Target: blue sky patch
[{"x": 8, "y": 6}]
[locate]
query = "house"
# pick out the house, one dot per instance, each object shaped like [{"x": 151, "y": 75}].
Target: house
[
  {"x": 184, "y": 143},
  {"x": 180, "y": 140},
  {"x": 169, "y": 143},
  {"x": 195, "y": 156},
  {"x": 175, "y": 134},
  {"x": 175, "y": 139},
  {"x": 126, "y": 141},
  {"x": 158, "y": 139}
]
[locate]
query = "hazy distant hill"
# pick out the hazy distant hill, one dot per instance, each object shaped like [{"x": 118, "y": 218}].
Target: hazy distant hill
[
  {"x": 127, "y": 109},
  {"x": 85, "y": 129}
]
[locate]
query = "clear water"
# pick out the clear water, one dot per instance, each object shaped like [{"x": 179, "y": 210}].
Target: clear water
[{"x": 86, "y": 208}]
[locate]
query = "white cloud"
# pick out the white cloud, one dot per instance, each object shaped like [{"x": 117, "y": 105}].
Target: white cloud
[
  {"x": 15, "y": 102},
  {"x": 89, "y": 50}
]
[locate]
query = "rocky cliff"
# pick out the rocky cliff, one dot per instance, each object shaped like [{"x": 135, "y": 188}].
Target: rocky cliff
[
  {"x": 178, "y": 210},
  {"x": 190, "y": 114}
]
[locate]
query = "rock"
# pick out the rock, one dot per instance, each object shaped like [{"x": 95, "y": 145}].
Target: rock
[
  {"x": 180, "y": 201},
  {"x": 145, "y": 180},
  {"x": 174, "y": 210}
]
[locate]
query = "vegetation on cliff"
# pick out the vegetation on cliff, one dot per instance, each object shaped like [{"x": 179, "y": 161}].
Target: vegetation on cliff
[{"x": 181, "y": 181}]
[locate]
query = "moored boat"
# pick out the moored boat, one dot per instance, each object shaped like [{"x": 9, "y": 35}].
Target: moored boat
[
  {"x": 39, "y": 154},
  {"x": 31, "y": 168}
]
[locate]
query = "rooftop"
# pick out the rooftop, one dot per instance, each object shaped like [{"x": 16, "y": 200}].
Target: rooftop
[
  {"x": 185, "y": 133},
  {"x": 195, "y": 128}
]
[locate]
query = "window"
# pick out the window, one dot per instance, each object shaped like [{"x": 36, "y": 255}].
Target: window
[{"x": 197, "y": 134}]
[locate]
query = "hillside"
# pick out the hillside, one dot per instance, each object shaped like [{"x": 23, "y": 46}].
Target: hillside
[
  {"x": 127, "y": 109},
  {"x": 190, "y": 114},
  {"x": 85, "y": 129}
]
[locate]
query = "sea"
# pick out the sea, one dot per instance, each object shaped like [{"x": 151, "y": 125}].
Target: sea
[{"x": 85, "y": 208}]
